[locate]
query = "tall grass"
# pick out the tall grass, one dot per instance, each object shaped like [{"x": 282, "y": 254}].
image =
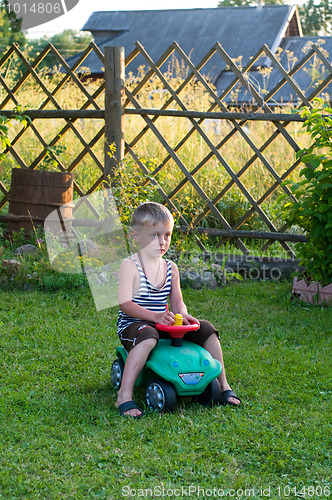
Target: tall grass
[{"x": 212, "y": 177}]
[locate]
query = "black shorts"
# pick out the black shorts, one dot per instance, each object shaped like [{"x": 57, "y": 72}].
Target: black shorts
[{"x": 143, "y": 330}]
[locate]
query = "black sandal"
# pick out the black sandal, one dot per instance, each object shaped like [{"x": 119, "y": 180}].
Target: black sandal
[
  {"x": 224, "y": 398},
  {"x": 129, "y": 405}
]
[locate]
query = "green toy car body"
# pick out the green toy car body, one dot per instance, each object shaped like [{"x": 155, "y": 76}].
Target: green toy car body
[{"x": 185, "y": 370}]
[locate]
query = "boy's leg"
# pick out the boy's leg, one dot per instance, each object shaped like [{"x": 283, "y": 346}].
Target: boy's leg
[
  {"x": 207, "y": 337},
  {"x": 212, "y": 345},
  {"x": 135, "y": 362}
]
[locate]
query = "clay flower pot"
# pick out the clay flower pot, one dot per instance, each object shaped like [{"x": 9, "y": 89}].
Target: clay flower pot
[{"x": 313, "y": 293}]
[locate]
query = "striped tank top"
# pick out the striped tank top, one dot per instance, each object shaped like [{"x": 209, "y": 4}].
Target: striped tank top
[{"x": 148, "y": 296}]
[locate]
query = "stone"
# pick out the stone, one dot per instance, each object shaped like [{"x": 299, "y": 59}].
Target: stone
[
  {"x": 11, "y": 266},
  {"x": 103, "y": 278},
  {"x": 26, "y": 250},
  {"x": 88, "y": 247},
  {"x": 192, "y": 279},
  {"x": 209, "y": 279}
]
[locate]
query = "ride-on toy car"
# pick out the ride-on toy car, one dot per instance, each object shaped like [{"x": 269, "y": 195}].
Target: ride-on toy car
[{"x": 174, "y": 367}]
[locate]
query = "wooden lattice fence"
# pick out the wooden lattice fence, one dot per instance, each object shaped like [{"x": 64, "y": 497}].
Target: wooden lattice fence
[{"x": 104, "y": 106}]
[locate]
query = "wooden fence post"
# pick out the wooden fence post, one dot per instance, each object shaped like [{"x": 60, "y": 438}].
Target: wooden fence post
[{"x": 114, "y": 110}]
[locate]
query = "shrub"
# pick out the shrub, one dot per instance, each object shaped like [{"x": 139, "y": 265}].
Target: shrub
[{"x": 312, "y": 210}]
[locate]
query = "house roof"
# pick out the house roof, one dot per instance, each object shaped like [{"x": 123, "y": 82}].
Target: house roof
[
  {"x": 309, "y": 76},
  {"x": 240, "y": 30},
  {"x": 293, "y": 50}
]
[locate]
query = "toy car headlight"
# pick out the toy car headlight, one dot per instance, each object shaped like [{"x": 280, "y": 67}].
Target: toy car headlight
[{"x": 191, "y": 378}]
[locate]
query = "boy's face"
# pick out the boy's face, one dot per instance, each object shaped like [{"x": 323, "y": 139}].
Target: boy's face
[{"x": 154, "y": 238}]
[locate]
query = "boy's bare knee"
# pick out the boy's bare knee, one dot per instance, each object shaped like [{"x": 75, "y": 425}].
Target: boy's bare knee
[{"x": 148, "y": 343}]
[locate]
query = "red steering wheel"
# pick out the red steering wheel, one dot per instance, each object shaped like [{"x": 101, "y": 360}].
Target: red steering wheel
[{"x": 177, "y": 331}]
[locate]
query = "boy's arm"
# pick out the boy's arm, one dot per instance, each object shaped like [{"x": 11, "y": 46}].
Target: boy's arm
[
  {"x": 127, "y": 274},
  {"x": 176, "y": 299}
]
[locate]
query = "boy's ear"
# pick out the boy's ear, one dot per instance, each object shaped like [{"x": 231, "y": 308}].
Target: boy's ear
[{"x": 134, "y": 234}]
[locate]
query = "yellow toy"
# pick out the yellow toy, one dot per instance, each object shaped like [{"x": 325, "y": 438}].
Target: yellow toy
[{"x": 178, "y": 320}]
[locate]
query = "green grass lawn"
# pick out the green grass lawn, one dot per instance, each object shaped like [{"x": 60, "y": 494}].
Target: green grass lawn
[{"x": 61, "y": 436}]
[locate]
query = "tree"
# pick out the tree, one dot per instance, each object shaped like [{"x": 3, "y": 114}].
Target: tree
[
  {"x": 316, "y": 19},
  {"x": 10, "y": 27},
  {"x": 68, "y": 43},
  {"x": 247, "y": 3}
]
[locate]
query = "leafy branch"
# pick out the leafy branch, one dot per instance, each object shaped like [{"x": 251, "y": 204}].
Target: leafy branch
[
  {"x": 6, "y": 123},
  {"x": 312, "y": 209}
]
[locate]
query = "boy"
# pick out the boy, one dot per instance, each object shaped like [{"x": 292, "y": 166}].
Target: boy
[{"x": 146, "y": 280}]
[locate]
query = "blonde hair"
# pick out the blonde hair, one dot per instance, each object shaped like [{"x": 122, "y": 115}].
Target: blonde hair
[{"x": 151, "y": 212}]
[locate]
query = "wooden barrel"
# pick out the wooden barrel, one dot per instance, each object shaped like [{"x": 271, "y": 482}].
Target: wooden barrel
[{"x": 34, "y": 194}]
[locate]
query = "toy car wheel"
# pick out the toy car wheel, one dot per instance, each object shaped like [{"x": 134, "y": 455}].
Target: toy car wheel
[
  {"x": 117, "y": 372},
  {"x": 211, "y": 395},
  {"x": 160, "y": 395}
]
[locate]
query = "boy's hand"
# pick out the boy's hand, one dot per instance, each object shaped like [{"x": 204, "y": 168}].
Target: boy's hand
[
  {"x": 187, "y": 319},
  {"x": 165, "y": 318}
]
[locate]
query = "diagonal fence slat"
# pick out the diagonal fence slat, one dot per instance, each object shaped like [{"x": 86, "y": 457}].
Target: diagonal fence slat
[
  {"x": 70, "y": 73},
  {"x": 321, "y": 56},
  {"x": 25, "y": 76},
  {"x": 259, "y": 99},
  {"x": 286, "y": 76}
]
